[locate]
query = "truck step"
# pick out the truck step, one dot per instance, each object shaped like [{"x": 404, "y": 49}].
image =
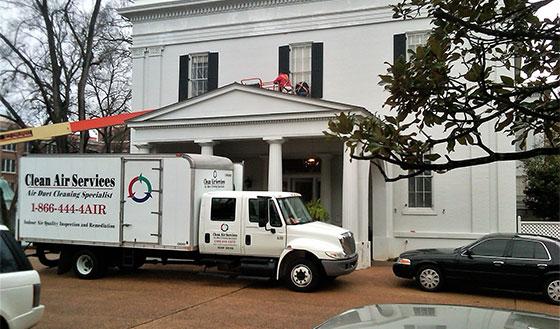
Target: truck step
[
  {"x": 258, "y": 268},
  {"x": 254, "y": 277}
]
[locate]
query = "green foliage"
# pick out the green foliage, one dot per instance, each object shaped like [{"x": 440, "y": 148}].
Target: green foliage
[
  {"x": 491, "y": 65},
  {"x": 542, "y": 194},
  {"x": 317, "y": 211}
]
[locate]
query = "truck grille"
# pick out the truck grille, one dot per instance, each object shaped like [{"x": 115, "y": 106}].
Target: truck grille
[{"x": 348, "y": 244}]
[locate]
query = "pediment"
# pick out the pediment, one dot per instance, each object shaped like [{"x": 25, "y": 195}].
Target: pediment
[{"x": 237, "y": 102}]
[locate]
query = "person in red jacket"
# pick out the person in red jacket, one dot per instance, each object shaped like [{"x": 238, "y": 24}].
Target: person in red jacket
[{"x": 283, "y": 82}]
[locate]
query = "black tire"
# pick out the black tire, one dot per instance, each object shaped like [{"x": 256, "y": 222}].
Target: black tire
[
  {"x": 552, "y": 290},
  {"x": 303, "y": 275},
  {"x": 43, "y": 259},
  {"x": 429, "y": 278},
  {"x": 88, "y": 264}
]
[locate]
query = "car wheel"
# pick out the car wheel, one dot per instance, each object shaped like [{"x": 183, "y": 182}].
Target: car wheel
[
  {"x": 88, "y": 265},
  {"x": 429, "y": 278},
  {"x": 46, "y": 261},
  {"x": 552, "y": 290},
  {"x": 303, "y": 275}
]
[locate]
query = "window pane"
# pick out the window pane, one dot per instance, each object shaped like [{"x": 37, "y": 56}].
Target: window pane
[
  {"x": 275, "y": 220},
  {"x": 523, "y": 249},
  {"x": 253, "y": 210},
  {"x": 223, "y": 209},
  {"x": 428, "y": 200},
  {"x": 494, "y": 247},
  {"x": 300, "y": 63},
  {"x": 540, "y": 252},
  {"x": 411, "y": 200}
]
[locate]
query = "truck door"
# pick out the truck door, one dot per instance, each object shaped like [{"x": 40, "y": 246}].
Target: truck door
[
  {"x": 220, "y": 229},
  {"x": 263, "y": 241},
  {"x": 141, "y": 201}
]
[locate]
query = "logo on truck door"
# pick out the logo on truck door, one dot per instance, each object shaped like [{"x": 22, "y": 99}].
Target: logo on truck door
[{"x": 142, "y": 180}]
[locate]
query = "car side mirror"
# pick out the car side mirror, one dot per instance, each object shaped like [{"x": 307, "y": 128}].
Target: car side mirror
[{"x": 469, "y": 253}]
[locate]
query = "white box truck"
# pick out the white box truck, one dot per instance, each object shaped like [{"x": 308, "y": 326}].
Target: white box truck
[{"x": 99, "y": 211}]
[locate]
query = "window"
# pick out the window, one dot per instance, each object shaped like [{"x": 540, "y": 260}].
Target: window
[
  {"x": 254, "y": 210},
  {"x": 9, "y": 148},
  {"x": 420, "y": 190},
  {"x": 408, "y": 41},
  {"x": 257, "y": 209},
  {"x": 50, "y": 149},
  {"x": 275, "y": 220},
  {"x": 7, "y": 259},
  {"x": 9, "y": 165},
  {"x": 528, "y": 249},
  {"x": 304, "y": 64},
  {"x": 198, "y": 74},
  {"x": 494, "y": 247},
  {"x": 223, "y": 210},
  {"x": 300, "y": 63},
  {"x": 414, "y": 40}
]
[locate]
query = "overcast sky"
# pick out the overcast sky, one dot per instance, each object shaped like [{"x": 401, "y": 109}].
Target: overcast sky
[{"x": 550, "y": 11}]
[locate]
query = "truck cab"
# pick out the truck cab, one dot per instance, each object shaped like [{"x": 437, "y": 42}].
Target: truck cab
[{"x": 272, "y": 234}]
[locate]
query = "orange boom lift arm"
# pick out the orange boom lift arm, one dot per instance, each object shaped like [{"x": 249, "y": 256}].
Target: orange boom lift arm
[{"x": 64, "y": 128}]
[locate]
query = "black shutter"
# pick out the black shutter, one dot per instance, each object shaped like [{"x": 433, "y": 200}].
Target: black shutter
[
  {"x": 212, "y": 71},
  {"x": 317, "y": 70},
  {"x": 284, "y": 59},
  {"x": 399, "y": 46},
  {"x": 183, "y": 77}
]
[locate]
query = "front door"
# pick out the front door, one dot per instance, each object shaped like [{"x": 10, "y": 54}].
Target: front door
[
  {"x": 263, "y": 241},
  {"x": 141, "y": 201},
  {"x": 486, "y": 263}
]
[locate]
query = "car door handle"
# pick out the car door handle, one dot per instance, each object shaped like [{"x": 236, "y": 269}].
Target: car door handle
[
  {"x": 498, "y": 263},
  {"x": 542, "y": 265}
]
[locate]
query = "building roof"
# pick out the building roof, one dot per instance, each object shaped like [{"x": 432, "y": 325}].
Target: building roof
[{"x": 237, "y": 103}]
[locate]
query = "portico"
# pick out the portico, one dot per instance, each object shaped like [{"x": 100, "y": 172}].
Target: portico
[{"x": 274, "y": 135}]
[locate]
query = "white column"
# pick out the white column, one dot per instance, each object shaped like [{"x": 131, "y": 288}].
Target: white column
[
  {"x": 274, "y": 163},
  {"x": 364, "y": 197},
  {"x": 206, "y": 146},
  {"x": 326, "y": 181},
  {"x": 351, "y": 213},
  {"x": 350, "y": 193}
]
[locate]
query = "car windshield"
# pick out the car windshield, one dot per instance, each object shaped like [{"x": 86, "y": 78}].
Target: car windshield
[{"x": 294, "y": 211}]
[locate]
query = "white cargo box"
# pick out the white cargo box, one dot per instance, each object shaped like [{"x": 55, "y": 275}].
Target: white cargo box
[{"x": 141, "y": 201}]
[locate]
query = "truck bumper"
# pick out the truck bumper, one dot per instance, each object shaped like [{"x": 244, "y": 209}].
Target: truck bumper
[{"x": 340, "y": 267}]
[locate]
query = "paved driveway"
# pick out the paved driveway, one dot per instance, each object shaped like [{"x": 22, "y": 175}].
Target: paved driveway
[{"x": 175, "y": 296}]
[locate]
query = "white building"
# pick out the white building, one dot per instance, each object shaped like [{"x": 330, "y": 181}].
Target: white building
[{"x": 188, "y": 56}]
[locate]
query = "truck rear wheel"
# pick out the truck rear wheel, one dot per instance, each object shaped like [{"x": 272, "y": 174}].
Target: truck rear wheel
[
  {"x": 303, "y": 275},
  {"x": 88, "y": 264}
]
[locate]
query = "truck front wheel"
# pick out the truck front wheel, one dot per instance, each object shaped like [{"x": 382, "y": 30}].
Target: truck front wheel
[
  {"x": 51, "y": 260},
  {"x": 88, "y": 264},
  {"x": 303, "y": 275}
]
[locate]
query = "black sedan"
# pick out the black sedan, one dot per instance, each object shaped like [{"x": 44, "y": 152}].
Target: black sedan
[{"x": 507, "y": 261}]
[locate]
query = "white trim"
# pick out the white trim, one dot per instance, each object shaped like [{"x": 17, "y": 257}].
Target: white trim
[
  {"x": 439, "y": 235},
  {"x": 266, "y": 26},
  {"x": 419, "y": 211}
]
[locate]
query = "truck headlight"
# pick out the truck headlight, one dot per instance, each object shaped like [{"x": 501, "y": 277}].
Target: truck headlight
[{"x": 335, "y": 254}]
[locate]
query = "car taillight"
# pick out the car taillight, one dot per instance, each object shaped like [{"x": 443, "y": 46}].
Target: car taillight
[{"x": 36, "y": 294}]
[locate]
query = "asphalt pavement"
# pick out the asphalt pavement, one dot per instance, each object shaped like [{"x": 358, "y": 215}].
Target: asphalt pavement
[{"x": 183, "y": 296}]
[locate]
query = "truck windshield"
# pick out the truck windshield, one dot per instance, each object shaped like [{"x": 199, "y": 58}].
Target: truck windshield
[{"x": 294, "y": 211}]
